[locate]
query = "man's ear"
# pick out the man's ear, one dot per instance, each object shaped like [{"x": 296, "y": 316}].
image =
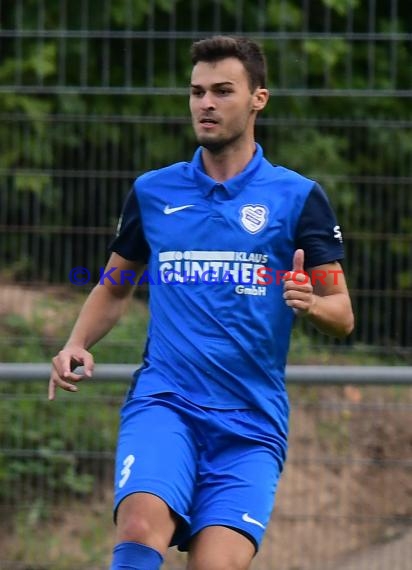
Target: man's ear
[{"x": 260, "y": 98}]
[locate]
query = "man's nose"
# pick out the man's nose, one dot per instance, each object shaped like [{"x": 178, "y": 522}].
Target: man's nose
[{"x": 208, "y": 101}]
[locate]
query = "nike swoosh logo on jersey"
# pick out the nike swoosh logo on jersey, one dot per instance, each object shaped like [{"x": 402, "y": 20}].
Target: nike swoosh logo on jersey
[
  {"x": 169, "y": 210},
  {"x": 248, "y": 519}
]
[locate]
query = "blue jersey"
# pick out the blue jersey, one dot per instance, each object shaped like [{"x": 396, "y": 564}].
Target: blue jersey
[{"x": 219, "y": 327}]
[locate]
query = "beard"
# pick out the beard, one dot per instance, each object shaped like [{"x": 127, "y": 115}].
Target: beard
[{"x": 218, "y": 144}]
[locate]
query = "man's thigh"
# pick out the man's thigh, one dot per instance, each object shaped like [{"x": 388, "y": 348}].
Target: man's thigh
[
  {"x": 238, "y": 475},
  {"x": 156, "y": 454},
  {"x": 220, "y": 548}
]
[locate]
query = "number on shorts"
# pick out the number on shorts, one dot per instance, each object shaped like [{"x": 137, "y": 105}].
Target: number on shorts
[{"x": 127, "y": 463}]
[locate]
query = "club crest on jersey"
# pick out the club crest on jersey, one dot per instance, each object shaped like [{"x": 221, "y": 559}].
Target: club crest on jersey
[{"x": 254, "y": 217}]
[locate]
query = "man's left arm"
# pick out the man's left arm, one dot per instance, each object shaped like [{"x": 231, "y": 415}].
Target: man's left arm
[{"x": 324, "y": 299}]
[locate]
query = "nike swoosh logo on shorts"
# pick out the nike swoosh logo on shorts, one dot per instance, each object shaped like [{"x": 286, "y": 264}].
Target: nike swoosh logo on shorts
[
  {"x": 247, "y": 518},
  {"x": 169, "y": 210}
]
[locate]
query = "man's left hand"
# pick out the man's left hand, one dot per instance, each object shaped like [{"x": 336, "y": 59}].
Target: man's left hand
[{"x": 297, "y": 289}]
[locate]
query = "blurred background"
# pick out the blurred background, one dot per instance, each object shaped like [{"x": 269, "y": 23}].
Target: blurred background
[{"x": 95, "y": 92}]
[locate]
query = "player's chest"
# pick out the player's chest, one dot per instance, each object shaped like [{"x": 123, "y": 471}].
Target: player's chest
[{"x": 191, "y": 221}]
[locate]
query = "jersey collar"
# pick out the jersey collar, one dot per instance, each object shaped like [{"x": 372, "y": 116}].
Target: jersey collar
[{"x": 233, "y": 185}]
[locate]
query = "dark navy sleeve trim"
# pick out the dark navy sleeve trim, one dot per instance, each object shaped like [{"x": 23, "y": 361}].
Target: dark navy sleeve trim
[
  {"x": 318, "y": 232},
  {"x": 130, "y": 241}
]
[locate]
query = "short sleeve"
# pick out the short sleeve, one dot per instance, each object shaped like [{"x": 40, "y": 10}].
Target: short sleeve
[
  {"x": 129, "y": 241},
  {"x": 318, "y": 232}
]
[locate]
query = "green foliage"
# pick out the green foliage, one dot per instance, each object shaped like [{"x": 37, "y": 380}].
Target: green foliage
[
  {"x": 36, "y": 146},
  {"x": 283, "y": 15},
  {"x": 341, "y": 7},
  {"x": 41, "y": 440},
  {"x": 326, "y": 53}
]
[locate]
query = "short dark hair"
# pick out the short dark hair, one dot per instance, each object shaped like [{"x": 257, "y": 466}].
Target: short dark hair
[{"x": 247, "y": 51}]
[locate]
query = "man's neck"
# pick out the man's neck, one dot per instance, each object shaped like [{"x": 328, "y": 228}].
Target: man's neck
[{"x": 229, "y": 162}]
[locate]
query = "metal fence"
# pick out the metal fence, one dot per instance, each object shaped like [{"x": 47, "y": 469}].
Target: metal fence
[
  {"x": 68, "y": 162},
  {"x": 366, "y": 33},
  {"x": 71, "y": 74},
  {"x": 344, "y": 501},
  {"x": 41, "y": 247}
]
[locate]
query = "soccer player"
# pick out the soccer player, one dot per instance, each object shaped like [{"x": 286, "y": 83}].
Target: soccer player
[{"x": 227, "y": 239}]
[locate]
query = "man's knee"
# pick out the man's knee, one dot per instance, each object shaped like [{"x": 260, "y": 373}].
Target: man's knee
[
  {"x": 135, "y": 526},
  {"x": 145, "y": 519}
]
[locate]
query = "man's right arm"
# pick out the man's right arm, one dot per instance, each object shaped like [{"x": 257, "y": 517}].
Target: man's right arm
[{"x": 101, "y": 311}]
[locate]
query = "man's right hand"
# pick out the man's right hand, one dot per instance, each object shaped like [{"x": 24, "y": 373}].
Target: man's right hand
[{"x": 63, "y": 364}]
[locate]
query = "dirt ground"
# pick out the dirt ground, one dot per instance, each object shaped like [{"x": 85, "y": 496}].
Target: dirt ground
[
  {"x": 353, "y": 515},
  {"x": 394, "y": 555}
]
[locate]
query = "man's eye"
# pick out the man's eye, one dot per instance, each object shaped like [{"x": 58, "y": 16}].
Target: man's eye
[{"x": 197, "y": 93}]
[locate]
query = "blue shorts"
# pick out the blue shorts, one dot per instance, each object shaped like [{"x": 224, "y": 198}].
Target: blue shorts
[{"x": 212, "y": 467}]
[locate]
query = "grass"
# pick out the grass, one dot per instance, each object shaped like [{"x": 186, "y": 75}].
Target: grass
[
  {"x": 71, "y": 536},
  {"x": 37, "y": 336}
]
